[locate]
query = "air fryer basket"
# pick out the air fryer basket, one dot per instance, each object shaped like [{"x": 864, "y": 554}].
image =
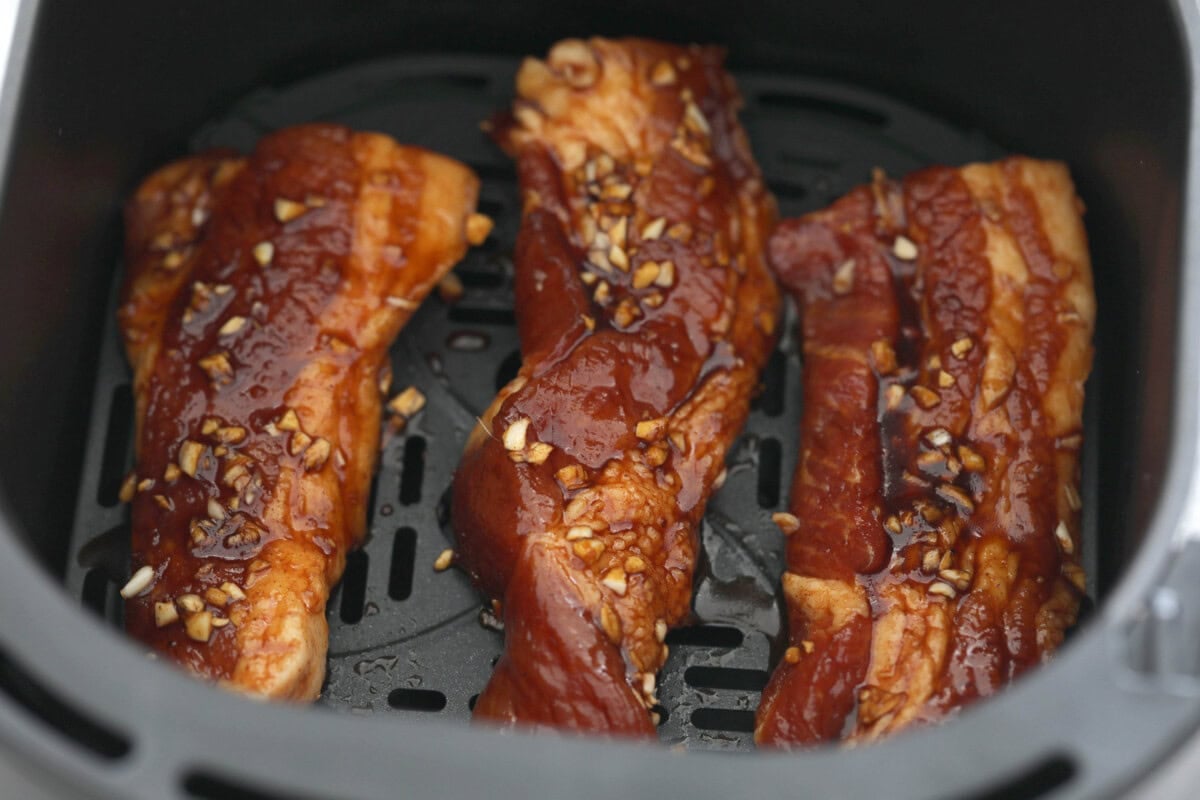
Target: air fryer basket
[{"x": 834, "y": 97}]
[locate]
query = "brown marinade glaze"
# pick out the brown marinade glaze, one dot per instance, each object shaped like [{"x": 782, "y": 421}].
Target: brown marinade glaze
[
  {"x": 933, "y": 540},
  {"x": 261, "y": 297},
  {"x": 646, "y": 311}
]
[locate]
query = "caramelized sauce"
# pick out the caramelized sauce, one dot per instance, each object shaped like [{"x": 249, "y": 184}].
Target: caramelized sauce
[
  {"x": 261, "y": 298},
  {"x": 958, "y": 395},
  {"x": 645, "y": 311}
]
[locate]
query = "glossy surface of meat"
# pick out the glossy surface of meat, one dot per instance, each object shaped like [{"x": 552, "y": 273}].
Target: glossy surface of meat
[
  {"x": 261, "y": 297},
  {"x": 646, "y": 311},
  {"x": 933, "y": 537}
]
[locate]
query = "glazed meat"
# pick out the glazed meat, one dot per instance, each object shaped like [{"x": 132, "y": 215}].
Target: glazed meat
[
  {"x": 933, "y": 539},
  {"x": 260, "y": 301},
  {"x": 646, "y": 311}
]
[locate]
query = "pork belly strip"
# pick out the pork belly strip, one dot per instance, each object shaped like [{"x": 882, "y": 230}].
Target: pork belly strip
[
  {"x": 261, "y": 297},
  {"x": 646, "y": 310},
  {"x": 933, "y": 539}
]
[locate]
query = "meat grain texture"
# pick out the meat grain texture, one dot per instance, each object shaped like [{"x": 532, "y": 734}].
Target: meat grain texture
[
  {"x": 646, "y": 311},
  {"x": 260, "y": 300},
  {"x": 933, "y": 533}
]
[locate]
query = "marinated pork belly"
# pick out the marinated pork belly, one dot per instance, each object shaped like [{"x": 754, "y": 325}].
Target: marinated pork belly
[
  {"x": 646, "y": 310},
  {"x": 933, "y": 539},
  {"x": 261, "y": 298}
]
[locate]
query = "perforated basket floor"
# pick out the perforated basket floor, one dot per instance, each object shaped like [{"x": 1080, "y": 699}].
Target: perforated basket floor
[{"x": 407, "y": 641}]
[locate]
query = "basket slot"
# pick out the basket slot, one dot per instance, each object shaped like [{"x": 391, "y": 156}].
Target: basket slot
[
  {"x": 770, "y": 456},
  {"x": 118, "y": 456},
  {"x": 413, "y": 474},
  {"x": 404, "y": 554},
  {"x": 354, "y": 587},
  {"x": 416, "y": 700},
  {"x": 98, "y": 739},
  {"x": 706, "y": 636},
  {"x": 723, "y": 719}
]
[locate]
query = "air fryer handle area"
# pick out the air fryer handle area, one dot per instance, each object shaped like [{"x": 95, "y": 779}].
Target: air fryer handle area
[{"x": 1160, "y": 637}]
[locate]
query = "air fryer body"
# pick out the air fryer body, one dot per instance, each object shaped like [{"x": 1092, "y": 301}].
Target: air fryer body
[{"x": 96, "y": 96}]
